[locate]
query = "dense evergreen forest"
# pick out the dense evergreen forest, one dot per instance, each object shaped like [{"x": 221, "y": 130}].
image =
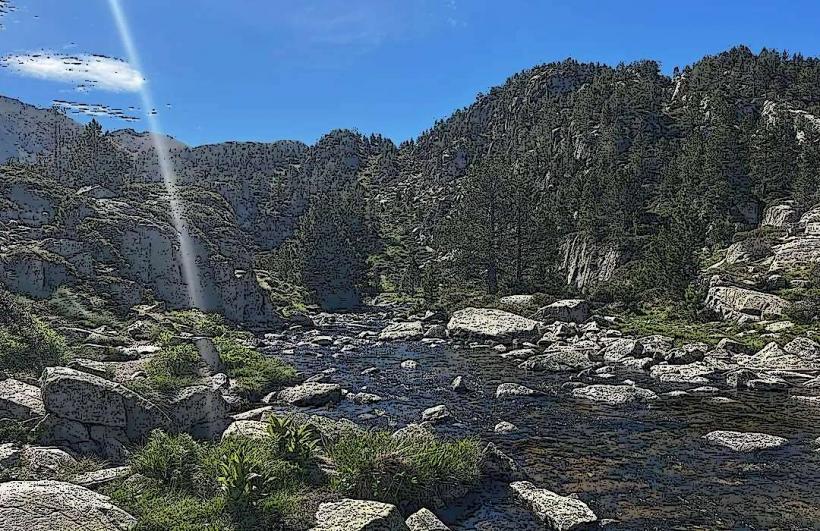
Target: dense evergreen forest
[{"x": 614, "y": 181}]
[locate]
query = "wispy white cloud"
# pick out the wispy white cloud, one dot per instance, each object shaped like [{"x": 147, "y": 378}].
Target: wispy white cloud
[
  {"x": 95, "y": 109},
  {"x": 82, "y": 71}
]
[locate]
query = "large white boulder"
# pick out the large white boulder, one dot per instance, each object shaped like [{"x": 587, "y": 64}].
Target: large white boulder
[
  {"x": 488, "y": 323},
  {"x": 567, "y": 310},
  {"x": 51, "y": 505}
]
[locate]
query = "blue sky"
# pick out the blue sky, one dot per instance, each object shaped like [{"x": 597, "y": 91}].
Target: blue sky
[{"x": 270, "y": 69}]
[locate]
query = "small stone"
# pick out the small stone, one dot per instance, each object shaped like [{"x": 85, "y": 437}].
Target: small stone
[
  {"x": 512, "y": 389},
  {"x": 410, "y": 364},
  {"x": 436, "y": 414},
  {"x": 505, "y": 427}
]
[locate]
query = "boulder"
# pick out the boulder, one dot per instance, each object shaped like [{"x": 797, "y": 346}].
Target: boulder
[
  {"x": 560, "y": 513},
  {"x": 50, "y": 505},
  {"x": 251, "y": 429},
  {"x": 437, "y": 331},
  {"x": 435, "y": 414},
  {"x": 363, "y": 398},
  {"x": 410, "y": 331},
  {"x": 458, "y": 385},
  {"x": 487, "y": 323},
  {"x": 425, "y": 520},
  {"x": 104, "y": 476},
  {"x": 359, "y": 515},
  {"x": 689, "y": 353},
  {"x": 693, "y": 373},
  {"x": 92, "y": 415},
  {"x": 504, "y": 427},
  {"x": 559, "y": 360},
  {"x": 732, "y": 346},
  {"x": 311, "y": 394},
  {"x": 622, "y": 348},
  {"x": 19, "y": 400},
  {"x": 800, "y": 356},
  {"x": 507, "y": 390},
  {"x": 614, "y": 394},
  {"x": 741, "y": 304},
  {"x": 201, "y": 411},
  {"x": 498, "y": 466},
  {"x": 567, "y": 310},
  {"x": 744, "y": 441},
  {"x": 656, "y": 345}
]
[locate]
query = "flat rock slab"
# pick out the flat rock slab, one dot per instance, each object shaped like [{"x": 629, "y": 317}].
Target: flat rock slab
[
  {"x": 359, "y": 515},
  {"x": 614, "y": 394},
  {"x": 487, "y": 323},
  {"x": 744, "y": 441},
  {"x": 512, "y": 390},
  {"x": 560, "y": 513},
  {"x": 50, "y": 505},
  {"x": 311, "y": 394}
]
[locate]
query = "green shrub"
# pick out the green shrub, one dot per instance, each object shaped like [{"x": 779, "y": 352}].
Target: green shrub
[
  {"x": 172, "y": 368},
  {"x": 254, "y": 373},
  {"x": 159, "y": 509},
  {"x": 409, "y": 472},
  {"x": 27, "y": 344},
  {"x": 297, "y": 442},
  {"x": 199, "y": 323},
  {"x": 174, "y": 460}
]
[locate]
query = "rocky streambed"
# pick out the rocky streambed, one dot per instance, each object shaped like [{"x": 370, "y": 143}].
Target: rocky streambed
[{"x": 627, "y": 436}]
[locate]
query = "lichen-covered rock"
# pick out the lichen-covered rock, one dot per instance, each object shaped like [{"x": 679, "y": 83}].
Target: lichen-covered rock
[
  {"x": 800, "y": 356},
  {"x": 567, "y": 310},
  {"x": 614, "y": 394},
  {"x": 359, "y": 515},
  {"x": 51, "y": 505},
  {"x": 201, "y": 411},
  {"x": 622, "y": 348},
  {"x": 565, "y": 359},
  {"x": 251, "y": 429},
  {"x": 410, "y": 331},
  {"x": 559, "y": 513},
  {"x": 425, "y": 520},
  {"x": 744, "y": 441},
  {"x": 311, "y": 394},
  {"x": 506, "y": 390},
  {"x": 747, "y": 251},
  {"x": 19, "y": 400},
  {"x": 741, "y": 304},
  {"x": 488, "y": 323},
  {"x": 92, "y": 415},
  {"x": 435, "y": 414},
  {"x": 656, "y": 345},
  {"x": 693, "y": 373},
  {"x": 689, "y": 353}
]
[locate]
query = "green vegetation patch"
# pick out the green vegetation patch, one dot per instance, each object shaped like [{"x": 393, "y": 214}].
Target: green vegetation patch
[
  {"x": 27, "y": 344},
  {"x": 408, "y": 472},
  {"x": 254, "y": 373}
]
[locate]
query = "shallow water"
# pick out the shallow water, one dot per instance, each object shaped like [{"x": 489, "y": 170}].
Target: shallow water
[{"x": 646, "y": 467}]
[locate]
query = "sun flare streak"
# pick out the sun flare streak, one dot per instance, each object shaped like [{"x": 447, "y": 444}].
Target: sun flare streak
[{"x": 190, "y": 270}]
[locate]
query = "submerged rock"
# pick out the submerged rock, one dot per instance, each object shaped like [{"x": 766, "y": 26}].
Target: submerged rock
[
  {"x": 512, "y": 389},
  {"x": 560, "y": 513},
  {"x": 359, "y": 515},
  {"x": 614, "y": 394},
  {"x": 49, "y": 505},
  {"x": 744, "y": 441}
]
